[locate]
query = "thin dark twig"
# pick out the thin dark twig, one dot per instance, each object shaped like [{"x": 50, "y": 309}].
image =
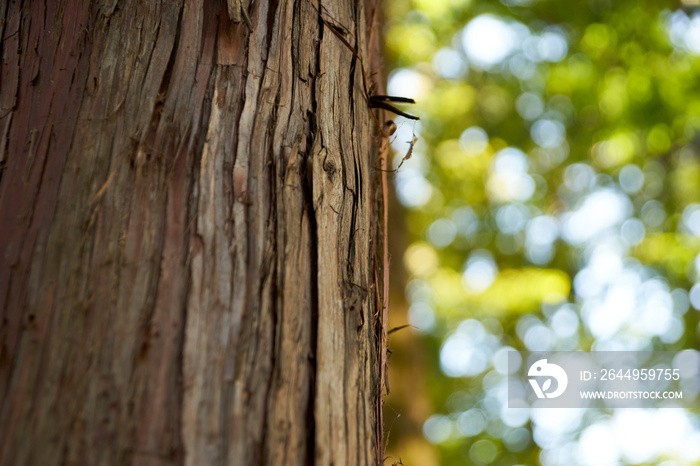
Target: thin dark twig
[
  {"x": 391, "y": 108},
  {"x": 392, "y": 98},
  {"x": 378, "y": 101},
  {"x": 400, "y": 327},
  {"x": 335, "y": 29}
]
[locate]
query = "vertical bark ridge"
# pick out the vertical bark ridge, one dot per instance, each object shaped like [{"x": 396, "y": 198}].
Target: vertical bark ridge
[{"x": 187, "y": 271}]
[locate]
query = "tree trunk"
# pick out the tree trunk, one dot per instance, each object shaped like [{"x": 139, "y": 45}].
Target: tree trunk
[{"x": 191, "y": 265}]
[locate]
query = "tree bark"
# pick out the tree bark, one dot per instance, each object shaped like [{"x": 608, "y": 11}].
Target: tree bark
[{"x": 191, "y": 268}]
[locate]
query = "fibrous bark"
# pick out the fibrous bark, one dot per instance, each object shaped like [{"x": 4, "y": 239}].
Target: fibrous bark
[{"x": 188, "y": 229}]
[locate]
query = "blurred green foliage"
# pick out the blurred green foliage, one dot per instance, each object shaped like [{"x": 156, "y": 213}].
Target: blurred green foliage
[{"x": 557, "y": 176}]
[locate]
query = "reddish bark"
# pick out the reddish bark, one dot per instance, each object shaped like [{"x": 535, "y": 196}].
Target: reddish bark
[{"x": 189, "y": 234}]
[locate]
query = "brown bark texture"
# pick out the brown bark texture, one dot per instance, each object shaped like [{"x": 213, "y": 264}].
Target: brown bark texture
[{"x": 190, "y": 251}]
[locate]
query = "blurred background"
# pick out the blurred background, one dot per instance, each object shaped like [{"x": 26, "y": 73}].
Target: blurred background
[{"x": 552, "y": 202}]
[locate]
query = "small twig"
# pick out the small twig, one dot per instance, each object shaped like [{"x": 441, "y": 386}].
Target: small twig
[
  {"x": 391, "y": 108},
  {"x": 392, "y": 98},
  {"x": 338, "y": 31},
  {"x": 374, "y": 101},
  {"x": 400, "y": 327},
  {"x": 246, "y": 18},
  {"x": 408, "y": 155},
  {"x": 380, "y": 101}
]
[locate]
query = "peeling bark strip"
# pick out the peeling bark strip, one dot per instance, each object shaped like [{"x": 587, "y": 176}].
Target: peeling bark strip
[{"x": 189, "y": 227}]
